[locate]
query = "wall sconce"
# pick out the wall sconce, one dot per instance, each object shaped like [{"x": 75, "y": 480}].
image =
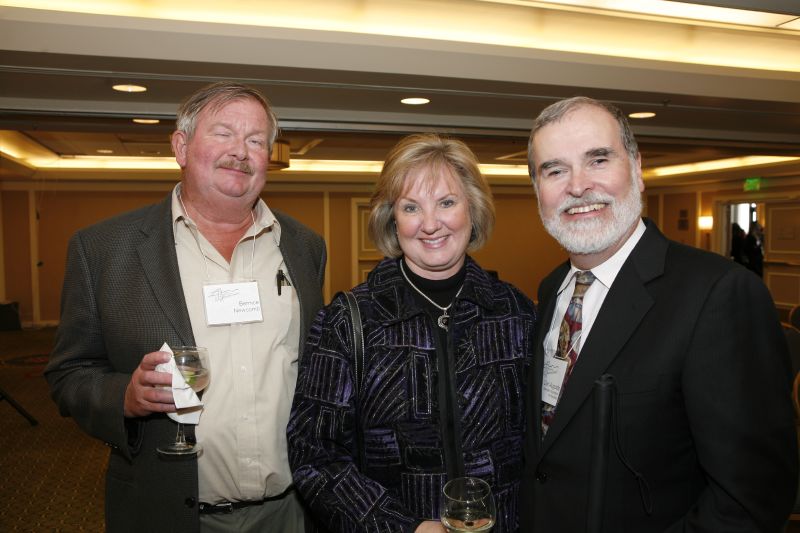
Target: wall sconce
[
  {"x": 280, "y": 155},
  {"x": 705, "y": 222}
]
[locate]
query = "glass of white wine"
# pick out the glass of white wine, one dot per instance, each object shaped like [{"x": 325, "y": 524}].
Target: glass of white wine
[
  {"x": 467, "y": 505},
  {"x": 192, "y": 363}
]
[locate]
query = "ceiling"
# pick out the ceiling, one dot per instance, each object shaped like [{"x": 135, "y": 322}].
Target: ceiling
[{"x": 338, "y": 93}]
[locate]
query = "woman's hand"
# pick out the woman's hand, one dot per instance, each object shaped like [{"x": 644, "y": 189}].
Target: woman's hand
[{"x": 429, "y": 526}]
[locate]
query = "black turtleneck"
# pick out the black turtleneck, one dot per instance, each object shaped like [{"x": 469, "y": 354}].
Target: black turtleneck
[{"x": 443, "y": 292}]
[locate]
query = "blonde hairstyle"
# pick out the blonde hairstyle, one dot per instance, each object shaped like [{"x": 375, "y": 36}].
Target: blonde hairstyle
[
  {"x": 432, "y": 154},
  {"x": 215, "y": 96}
]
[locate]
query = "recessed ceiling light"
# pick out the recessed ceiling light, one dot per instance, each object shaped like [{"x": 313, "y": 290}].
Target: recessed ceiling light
[
  {"x": 642, "y": 114},
  {"x": 146, "y": 120},
  {"x": 105, "y": 151},
  {"x": 415, "y": 101},
  {"x": 126, "y": 88}
]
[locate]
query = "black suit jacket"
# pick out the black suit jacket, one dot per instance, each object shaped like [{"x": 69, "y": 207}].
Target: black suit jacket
[
  {"x": 703, "y": 409},
  {"x": 123, "y": 298}
]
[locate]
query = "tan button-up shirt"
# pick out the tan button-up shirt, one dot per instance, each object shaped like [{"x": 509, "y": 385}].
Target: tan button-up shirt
[{"x": 253, "y": 366}]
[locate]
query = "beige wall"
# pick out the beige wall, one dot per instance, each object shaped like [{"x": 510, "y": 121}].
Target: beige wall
[
  {"x": 679, "y": 218},
  {"x": 780, "y": 273},
  {"x": 17, "y": 251},
  {"x": 61, "y": 213},
  {"x": 520, "y": 250}
]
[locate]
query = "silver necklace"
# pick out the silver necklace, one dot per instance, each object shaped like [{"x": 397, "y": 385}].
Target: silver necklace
[{"x": 444, "y": 317}]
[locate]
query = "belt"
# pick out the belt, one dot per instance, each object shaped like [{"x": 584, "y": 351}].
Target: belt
[{"x": 229, "y": 507}]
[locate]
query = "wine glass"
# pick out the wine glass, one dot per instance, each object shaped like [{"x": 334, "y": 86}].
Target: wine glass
[
  {"x": 192, "y": 363},
  {"x": 467, "y": 505}
]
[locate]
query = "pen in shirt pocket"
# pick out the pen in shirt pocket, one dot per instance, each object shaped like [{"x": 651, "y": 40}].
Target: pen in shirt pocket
[{"x": 281, "y": 280}]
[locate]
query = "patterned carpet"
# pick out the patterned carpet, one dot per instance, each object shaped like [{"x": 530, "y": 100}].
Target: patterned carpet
[{"x": 51, "y": 474}]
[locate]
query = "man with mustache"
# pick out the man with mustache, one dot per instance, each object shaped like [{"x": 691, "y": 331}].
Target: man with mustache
[
  {"x": 702, "y": 435},
  {"x": 162, "y": 274}
]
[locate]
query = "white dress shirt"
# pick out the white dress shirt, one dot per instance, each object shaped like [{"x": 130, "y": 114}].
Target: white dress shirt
[{"x": 605, "y": 273}]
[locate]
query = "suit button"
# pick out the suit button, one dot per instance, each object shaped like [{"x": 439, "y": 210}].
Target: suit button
[
  {"x": 541, "y": 477},
  {"x": 189, "y": 502}
]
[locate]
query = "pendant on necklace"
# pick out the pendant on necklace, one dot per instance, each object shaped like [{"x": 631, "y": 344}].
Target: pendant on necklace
[{"x": 442, "y": 320}]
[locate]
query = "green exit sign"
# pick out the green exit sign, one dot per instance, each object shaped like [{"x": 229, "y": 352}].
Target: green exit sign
[{"x": 752, "y": 184}]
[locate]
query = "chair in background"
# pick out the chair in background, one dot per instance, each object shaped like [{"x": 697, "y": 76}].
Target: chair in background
[
  {"x": 796, "y": 397},
  {"x": 21, "y": 410},
  {"x": 793, "y": 340},
  {"x": 794, "y": 316}
]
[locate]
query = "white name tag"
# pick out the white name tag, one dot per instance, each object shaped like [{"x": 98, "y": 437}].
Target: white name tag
[
  {"x": 232, "y": 303},
  {"x": 553, "y": 378}
]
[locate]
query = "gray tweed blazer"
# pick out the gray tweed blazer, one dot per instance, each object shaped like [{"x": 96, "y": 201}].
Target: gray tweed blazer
[{"x": 122, "y": 298}]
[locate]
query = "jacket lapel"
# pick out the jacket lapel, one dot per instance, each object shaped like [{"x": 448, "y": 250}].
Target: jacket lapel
[
  {"x": 547, "y": 308},
  {"x": 305, "y": 281},
  {"x": 160, "y": 264},
  {"x": 626, "y": 303}
]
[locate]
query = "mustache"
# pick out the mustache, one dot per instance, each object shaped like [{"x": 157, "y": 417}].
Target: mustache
[
  {"x": 232, "y": 164},
  {"x": 588, "y": 198}
]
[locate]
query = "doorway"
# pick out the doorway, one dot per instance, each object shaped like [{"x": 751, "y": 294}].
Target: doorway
[
  {"x": 746, "y": 239},
  {"x": 775, "y": 223}
]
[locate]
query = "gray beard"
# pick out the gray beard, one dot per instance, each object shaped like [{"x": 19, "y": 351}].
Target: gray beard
[{"x": 595, "y": 235}]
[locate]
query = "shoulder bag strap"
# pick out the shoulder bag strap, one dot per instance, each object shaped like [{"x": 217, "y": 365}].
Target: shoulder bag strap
[
  {"x": 358, "y": 338},
  {"x": 358, "y": 371}
]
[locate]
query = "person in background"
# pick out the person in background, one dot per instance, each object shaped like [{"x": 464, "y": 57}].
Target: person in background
[
  {"x": 139, "y": 280},
  {"x": 446, "y": 348},
  {"x": 737, "y": 244},
  {"x": 702, "y": 431},
  {"x": 754, "y": 249}
]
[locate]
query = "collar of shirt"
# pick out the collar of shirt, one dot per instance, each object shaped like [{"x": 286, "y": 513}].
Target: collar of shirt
[
  {"x": 605, "y": 273},
  {"x": 264, "y": 218}
]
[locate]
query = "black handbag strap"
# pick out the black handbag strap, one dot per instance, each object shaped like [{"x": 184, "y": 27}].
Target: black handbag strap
[
  {"x": 358, "y": 338},
  {"x": 358, "y": 371}
]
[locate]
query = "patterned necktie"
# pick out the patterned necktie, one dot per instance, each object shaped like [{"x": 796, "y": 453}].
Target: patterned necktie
[{"x": 568, "y": 336}]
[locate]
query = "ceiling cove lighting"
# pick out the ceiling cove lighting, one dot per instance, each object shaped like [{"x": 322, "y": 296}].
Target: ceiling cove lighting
[
  {"x": 52, "y": 162},
  {"x": 168, "y": 163},
  {"x": 717, "y": 164},
  {"x": 415, "y": 101},
  {"x": 146, "y": 120},
  {"x": 675, "y": 9},
  {"x": 126, "y": 88},
  {"x": 642, "y": 114},
  {"x": 701, "y": 43},
  {"x": 112, "y": 163},
  {"x": 335, "y": 165}
]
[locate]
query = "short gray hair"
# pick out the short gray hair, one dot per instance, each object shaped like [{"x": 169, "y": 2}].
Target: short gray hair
[
  {"x": 215, "y": 96},
  {"x": 557, "y": 111}
]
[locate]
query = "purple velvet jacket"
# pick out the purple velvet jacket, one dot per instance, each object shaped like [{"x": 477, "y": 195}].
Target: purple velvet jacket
[{"x": 404, "y": 426}]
